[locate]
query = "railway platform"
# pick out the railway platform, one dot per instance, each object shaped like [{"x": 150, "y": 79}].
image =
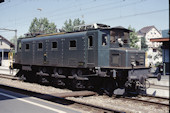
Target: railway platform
[
  {"x": 6, "y": 71},
  {"x": 159, "y": 88}
]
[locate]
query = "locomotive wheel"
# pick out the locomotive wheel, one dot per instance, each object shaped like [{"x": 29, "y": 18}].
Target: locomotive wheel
[
  {"x": 58, "y": 82},
  {"x": 77, "y": 84},
  {"x": 73, "y": 72},
  {"x": 79, "y": 72},
  {"x": 55, "y": 70},
  {"x": 60, "y": 71},
  {"x": 28, "y": 76},
  {"x": 109, "y": 86},
  {"x": 22, "y": 77}
]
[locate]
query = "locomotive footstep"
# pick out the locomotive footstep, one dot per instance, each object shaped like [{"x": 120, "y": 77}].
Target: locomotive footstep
[{"x": 119, "y": 91}]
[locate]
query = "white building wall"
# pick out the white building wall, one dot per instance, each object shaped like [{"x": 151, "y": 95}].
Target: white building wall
[
  {"x": 4, "y": 45},
  {"x": 152, "y": 47}
]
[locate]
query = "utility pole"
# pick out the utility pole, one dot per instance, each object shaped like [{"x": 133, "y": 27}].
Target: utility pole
[{"x": 15, "y": 36}]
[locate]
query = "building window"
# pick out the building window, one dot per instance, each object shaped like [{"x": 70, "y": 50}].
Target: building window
[
  {"x": 27, "y": 46},
  {"x": 154, "y": 50},
  {"x": 90, "y": 42},
  {"x": 54, "y": 45},
  {"x": 39, "y": 45},
  {"x": 149, "y": 56}
]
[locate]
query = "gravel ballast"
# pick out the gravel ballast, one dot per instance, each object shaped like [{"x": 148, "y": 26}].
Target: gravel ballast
[{"x": 114, "y": 103}]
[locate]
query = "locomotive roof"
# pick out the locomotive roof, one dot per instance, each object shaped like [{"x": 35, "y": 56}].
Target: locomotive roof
[
  {"x": 108, "y": 28},
  {"x": 59, "y": 35},
  {"x": 79, "y": 32}
]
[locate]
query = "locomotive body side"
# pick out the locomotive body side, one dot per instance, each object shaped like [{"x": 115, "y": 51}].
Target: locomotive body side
[
  {"x": 100, "y": 59},
  {"x": 57, "y": 50}
]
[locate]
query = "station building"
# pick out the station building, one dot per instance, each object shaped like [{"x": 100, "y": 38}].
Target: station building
[
  {"x": 5, "y": 47},
  {"x": 165, "y": 52}
]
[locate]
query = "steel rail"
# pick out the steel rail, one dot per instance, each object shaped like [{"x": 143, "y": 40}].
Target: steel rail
[
  {"x": 59, "y": 100},
  {"x": 149, "y": 102}
]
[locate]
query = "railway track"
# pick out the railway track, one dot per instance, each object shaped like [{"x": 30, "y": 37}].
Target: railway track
[
  {"x": 59, "y": 99},
  {"x": 149, "y": 100},
  {"x": 146, "y": 99},
  {"x": 9, "y": 77},
  {"x": 63, "y": 101}
]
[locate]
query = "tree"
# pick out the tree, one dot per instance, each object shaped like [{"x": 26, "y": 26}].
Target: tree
[
  {"x": 144, "y": 46},
  {"x": 42, "y": 25},
  {"x": 69, "y": 24},
  {"x": 12, "y": 40},
  {"x": 133, "y": 38}
]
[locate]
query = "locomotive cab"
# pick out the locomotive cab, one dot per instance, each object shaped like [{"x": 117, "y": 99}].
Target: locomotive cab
[
  {"x": 126, "y": 65},
  {"x": 119, "y": 37},
  {"x": 121, "y": 55}
]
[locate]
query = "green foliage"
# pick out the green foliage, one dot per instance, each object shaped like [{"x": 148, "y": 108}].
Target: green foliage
[
  {"x": 42, "y": 25},
  {"x": 12, "y": 40},
  {"x": 144, "y": 46},
  {"x": 133, "y": 38},
  {"x": 69, "y": 24}
]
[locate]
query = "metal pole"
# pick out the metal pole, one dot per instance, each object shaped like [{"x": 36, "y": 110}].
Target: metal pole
[
  {"x": 15, "y": 41},
  {"x": 2, "y": 56},
  {"x": 164, "y": 70}
]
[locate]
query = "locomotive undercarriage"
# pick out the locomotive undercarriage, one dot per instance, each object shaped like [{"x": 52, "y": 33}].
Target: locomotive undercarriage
[{"x": 103, "y": 81}]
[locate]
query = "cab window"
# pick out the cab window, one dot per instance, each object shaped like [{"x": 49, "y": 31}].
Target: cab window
[
  {"x": 90, "y": 41},
  {"x": 27, "y": 47},
  {"x": 104, "y": 39},
  {"x": 19, "y": 46}
]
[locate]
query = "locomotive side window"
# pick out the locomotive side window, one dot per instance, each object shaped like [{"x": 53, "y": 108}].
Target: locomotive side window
[
  {"x": 54, "y": 45},
  {"x": 90, "y": 42},
  {"x": 104, "y": 39},
  {"x": 126, "y": 36},
  {"x": 27, "y": 46},
  {"x": 19, "y": 45},
  {"x": 72, "y": 44},
  {"x": 39, "y": 46}
]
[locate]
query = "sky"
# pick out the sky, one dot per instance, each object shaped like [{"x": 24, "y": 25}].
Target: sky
[{"x": 18, "y": 14}]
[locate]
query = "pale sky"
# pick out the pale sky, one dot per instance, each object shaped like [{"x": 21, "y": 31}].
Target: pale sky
[{"x": 18, "y": 14}]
